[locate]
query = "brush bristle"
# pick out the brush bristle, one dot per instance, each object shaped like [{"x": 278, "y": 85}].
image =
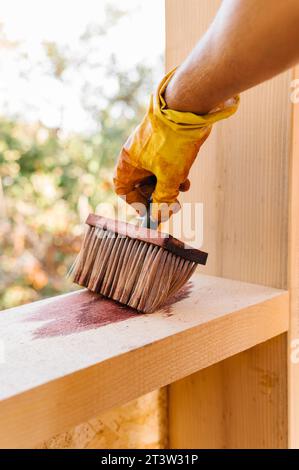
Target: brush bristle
[{"x": 132, "y": 272}]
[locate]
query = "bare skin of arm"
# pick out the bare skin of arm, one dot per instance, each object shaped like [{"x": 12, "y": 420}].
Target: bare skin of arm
[{"x": 248, "y": 42}]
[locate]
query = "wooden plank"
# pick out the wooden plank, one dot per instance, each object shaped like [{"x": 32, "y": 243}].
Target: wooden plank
[
  {"x": 294, "y": 280},
  {"x": 72, "y": 357},
  {"x": 223, "y": 393},
  {"x": 241, "y": 177}
]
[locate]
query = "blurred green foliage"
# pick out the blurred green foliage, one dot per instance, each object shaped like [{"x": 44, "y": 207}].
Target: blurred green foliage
[{"x": 49, "y": 180}]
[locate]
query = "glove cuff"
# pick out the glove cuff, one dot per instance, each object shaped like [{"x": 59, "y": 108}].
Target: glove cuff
[{"x": 180, "y": 120}]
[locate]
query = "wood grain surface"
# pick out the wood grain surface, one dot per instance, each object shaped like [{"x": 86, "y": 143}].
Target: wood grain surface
[
  {"x": 69, "y": 358},
  {"x": 294, "y": 280},
  {"x": 154, "y": 237},
  {"x": 241, "y": 176}
]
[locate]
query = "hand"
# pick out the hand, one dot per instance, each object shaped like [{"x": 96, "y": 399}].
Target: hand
[{"x": 155, "y": 161}]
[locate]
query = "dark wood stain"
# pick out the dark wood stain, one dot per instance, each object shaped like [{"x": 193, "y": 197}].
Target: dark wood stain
[
  {"x": 79, "y": 312},
  {"x": 85, "y": 311}
]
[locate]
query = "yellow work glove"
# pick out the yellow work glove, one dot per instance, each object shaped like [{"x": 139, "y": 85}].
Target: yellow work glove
[{"x": 156, "y": 159}]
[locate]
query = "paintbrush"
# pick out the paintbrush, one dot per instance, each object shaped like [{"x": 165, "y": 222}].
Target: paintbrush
[{"x": 137, "y": 266}]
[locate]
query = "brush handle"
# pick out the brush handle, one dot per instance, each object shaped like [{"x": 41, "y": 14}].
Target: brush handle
[{"x": 147, "y": 221}]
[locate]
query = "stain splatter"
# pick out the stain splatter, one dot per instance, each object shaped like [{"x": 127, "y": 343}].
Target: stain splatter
[
  {"x": 81, "y": 312},
  {"x": 88, "y": 311},
  {"x": 182, "y": 294}
]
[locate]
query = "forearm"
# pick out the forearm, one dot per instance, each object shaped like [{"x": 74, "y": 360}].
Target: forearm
[{"x": 248, "y": 42}]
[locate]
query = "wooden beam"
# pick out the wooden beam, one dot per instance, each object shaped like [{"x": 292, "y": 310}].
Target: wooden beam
[{"x": 71, "y": 357}]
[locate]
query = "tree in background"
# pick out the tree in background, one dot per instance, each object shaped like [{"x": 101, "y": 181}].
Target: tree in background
[{"x": 50, "y": 179}]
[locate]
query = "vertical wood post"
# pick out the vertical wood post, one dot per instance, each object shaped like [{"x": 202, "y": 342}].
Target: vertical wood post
[{"x": 242, "y": 177}]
